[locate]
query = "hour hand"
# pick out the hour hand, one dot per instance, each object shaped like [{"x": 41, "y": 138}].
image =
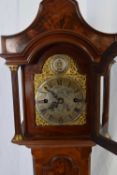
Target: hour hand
[
  {"x": 53, "y": 93},
  {"x": 53, "y": 105},
  {"x": 66, "y": 107}
]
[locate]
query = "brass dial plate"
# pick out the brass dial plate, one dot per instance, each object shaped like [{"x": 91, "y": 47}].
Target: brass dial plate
[{"x": 60, "y": 95}]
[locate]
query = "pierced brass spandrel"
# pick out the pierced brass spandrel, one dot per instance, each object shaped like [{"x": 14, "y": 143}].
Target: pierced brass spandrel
[
  {"x": 13, "y": 67},
  {"x": 18, "y": 138}
]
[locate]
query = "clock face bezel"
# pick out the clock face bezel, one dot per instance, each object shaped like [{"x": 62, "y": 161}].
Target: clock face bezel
[{"x": 60, "y": 101}]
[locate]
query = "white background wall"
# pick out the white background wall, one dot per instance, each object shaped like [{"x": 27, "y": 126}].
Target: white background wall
[{"x": 16, "y": 15}]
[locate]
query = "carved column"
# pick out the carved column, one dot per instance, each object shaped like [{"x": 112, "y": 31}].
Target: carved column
[{"x": 16, "y": 104}]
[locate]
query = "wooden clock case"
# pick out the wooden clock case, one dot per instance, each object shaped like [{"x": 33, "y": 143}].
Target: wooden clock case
[{"x": 59, "y": 28}]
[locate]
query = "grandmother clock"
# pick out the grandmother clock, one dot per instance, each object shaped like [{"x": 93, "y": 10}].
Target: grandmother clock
[{"x": 61, "y": 60}]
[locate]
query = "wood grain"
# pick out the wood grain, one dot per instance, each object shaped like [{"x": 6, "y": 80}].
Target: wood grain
[{"x": 59, "y": 28}]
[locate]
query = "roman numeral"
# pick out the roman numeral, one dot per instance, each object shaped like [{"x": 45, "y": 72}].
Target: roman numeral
[
  {"x": 51, "y": 118},
  {"x": 69, "y": 84},
  {"x": 59, "y": 82},
  {"x": 49, "y": 84},
  {"x": 71, "y": 117},
  {"x": 77, "y": 110},
  {"x": 78, "y": 100},
  {"x": 60, "y": 120},
  {"x": 43, "y": 111}
]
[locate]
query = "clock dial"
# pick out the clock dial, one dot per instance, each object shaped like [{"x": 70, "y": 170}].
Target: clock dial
[{"x": 60, "y": 100}]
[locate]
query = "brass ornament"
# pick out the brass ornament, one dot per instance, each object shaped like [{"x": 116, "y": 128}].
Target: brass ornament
[
  {"x": 13, "y": 67},
  {"x": 47, "y": 73},
  {"x": 18, "y": 138}
]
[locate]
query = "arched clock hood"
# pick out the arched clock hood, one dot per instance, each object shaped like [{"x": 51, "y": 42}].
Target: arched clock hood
[{"x": 61, "y": 20}]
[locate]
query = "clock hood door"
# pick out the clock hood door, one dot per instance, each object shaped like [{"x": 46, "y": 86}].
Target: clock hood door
[
  {"x": 106, "y": 143},
  {"x": 104, "y": 110}
]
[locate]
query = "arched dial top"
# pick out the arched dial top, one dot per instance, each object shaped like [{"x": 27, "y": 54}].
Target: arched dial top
[{"x": 60, "y": 100}]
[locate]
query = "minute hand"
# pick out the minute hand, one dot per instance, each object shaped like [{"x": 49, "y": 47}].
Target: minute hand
[{"x": 53, "y": 93}]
